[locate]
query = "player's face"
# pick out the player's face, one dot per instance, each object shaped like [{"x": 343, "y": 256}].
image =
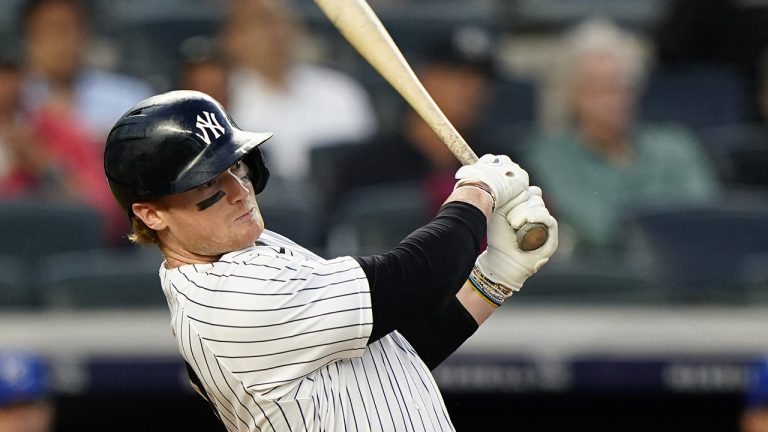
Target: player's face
[{"x": 215, "y": 218}]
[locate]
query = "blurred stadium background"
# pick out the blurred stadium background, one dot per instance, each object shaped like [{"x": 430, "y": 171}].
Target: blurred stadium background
[{"x": 657, "y": 339}]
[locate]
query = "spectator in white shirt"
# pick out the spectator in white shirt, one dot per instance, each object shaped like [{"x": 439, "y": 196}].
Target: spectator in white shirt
[{"x": 306, "y": 105}]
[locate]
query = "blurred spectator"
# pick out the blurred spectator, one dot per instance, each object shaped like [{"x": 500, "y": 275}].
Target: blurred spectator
[
  {"x": 46, "y": 155},
  {"x": 603, "y": 163},
  {"x": 203, "y": 70},
  {"x": 56, "y": 42},
  {"x": 457, "y": 73},
  {"x": 15, "y": 133},
  {"x": 25, "y": 405},
  {"x": 755, "y": 415},
  {"x": 305, "y": 105}
]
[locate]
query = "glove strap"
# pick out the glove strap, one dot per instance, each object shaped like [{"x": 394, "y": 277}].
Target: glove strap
[
  {"x": 480, "y": 185},
  {"x": 495, "y": 293}
]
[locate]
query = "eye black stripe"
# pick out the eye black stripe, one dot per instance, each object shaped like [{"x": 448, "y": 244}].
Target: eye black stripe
[{"x": 213, "y": 199}]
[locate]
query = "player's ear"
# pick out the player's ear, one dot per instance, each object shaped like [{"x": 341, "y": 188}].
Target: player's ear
[{"x": 148, "y": 213}]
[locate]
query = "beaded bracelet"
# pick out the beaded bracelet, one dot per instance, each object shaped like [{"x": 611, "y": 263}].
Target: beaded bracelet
[
  {"x": 493, "y": 292},
  {"x": 480, "y": 185}
]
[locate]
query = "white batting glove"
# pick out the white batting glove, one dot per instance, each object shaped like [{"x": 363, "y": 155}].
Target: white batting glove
[
  {"x": 504, "y": 178},
  {"x": 503, "y": 262}
]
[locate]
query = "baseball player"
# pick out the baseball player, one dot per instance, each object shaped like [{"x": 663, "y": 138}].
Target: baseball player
[{"x": 277, "y": 338}]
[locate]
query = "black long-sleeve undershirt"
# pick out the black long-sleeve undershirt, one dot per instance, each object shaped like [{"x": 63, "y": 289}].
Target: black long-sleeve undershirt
[
  {"x": 438, "y": 335},
  {"x": 413, "y": 287}
]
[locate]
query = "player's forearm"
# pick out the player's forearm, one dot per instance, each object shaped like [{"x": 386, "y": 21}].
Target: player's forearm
[
  {"x": 475, "y": 304},
  {"x": 426, "y": 268},
  {"x": 474, "y": 196}
]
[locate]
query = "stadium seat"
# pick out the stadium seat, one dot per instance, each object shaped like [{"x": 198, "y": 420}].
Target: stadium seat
[
  {"x": 297, "y": 222},
  {"x": 373, "y": 219},
  {"x": 555, "y": 14},
  {"x": 325, "y": 163},
  {"x": 513, "y": 101},
  {"x": 509, "y": 118},
  {"x": 741, "y": 151},
  {"x": 15, "y": 291},
  {"x": 31, "y": 228},
  {"x": 697, "y": 251},
  {"x": 291, "y": 209},
  {"x": 698, "y": 96},
  {"x": 101, "y": 278},
  {"x": 753, "y": 278},
  {"x": 592, "y": 281}
]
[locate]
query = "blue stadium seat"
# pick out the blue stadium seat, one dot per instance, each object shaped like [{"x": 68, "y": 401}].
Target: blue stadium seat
[
  {"x": 513, "y": 101},
  {"x": 325, "y": 163},
  {"x": 753, "y": 278},
  {"x": 101, "y": 278},
  {"x": 698, "y": 96},
  {"x": 373, "y": 219},
  {"x": 291, "y": 209},
  {"x": 741, "y": 151},
  {"x": 15, "y": 291},
  {"x": 592, "y": 282},
  {"x": 29, "y": 229},
  {"x": 697, "y": 251},
  {"x": 509, "y": 118}
]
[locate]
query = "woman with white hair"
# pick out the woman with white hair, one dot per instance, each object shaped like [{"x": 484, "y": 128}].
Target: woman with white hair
[{"x": 603, "y": 162}]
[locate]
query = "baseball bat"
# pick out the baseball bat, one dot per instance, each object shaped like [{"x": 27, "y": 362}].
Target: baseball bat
[{"x": 359, "y": 24}]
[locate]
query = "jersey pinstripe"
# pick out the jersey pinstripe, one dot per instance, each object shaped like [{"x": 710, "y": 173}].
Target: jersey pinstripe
[{"x": 277, "y": 337}]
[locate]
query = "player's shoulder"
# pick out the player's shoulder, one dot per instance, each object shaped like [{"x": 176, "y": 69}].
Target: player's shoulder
[
  {"x": 282, "y": 248},
  {"x": 272, "y": 255}
]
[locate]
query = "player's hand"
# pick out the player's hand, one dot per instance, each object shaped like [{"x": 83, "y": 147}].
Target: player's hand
[
  {"x": 503, "y": 261},
  {"x": 504, "y": 178}
]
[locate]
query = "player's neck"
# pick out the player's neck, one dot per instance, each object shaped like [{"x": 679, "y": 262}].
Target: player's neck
[{"x": 175, "y": 258}]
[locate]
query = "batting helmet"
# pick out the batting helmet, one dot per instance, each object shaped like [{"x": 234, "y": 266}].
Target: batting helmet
[{"x": 174, "y": 142}]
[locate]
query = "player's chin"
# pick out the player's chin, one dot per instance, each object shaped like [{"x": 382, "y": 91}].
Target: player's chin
[
  {"x": 249, "y": 233},
  {"x": 245, "y": 230}
]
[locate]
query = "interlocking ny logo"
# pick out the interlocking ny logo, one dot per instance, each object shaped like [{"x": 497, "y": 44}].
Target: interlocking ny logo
[{"x": 209, "y": 124}]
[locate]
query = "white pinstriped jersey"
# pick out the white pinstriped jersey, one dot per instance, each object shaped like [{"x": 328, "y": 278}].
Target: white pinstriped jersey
[{"x": 277, "y": 336}]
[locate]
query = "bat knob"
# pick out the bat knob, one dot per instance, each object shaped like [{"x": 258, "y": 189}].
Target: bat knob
[{"x": 532, "y": 236}]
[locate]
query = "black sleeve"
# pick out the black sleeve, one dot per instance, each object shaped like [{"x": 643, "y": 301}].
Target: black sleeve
[
  {"x": 436, "y": 336},
  {"x": 429, "y": 266}
]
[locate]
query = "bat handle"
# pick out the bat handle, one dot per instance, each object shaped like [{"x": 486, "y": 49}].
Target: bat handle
[{"x": 532, "y": 236}]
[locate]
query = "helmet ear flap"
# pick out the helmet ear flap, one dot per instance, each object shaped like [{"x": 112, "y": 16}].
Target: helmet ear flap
[{"x": 259, "y": 173}]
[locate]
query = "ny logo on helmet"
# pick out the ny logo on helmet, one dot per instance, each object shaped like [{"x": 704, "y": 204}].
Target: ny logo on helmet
[{"x": 209, "y": 124}]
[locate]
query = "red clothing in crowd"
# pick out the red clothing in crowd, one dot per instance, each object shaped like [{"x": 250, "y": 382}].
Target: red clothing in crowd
[{"x": 73, "y": 169}]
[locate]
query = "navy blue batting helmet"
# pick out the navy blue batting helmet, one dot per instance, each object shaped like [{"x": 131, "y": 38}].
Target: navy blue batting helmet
[{"x": 174, "y": 142}]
